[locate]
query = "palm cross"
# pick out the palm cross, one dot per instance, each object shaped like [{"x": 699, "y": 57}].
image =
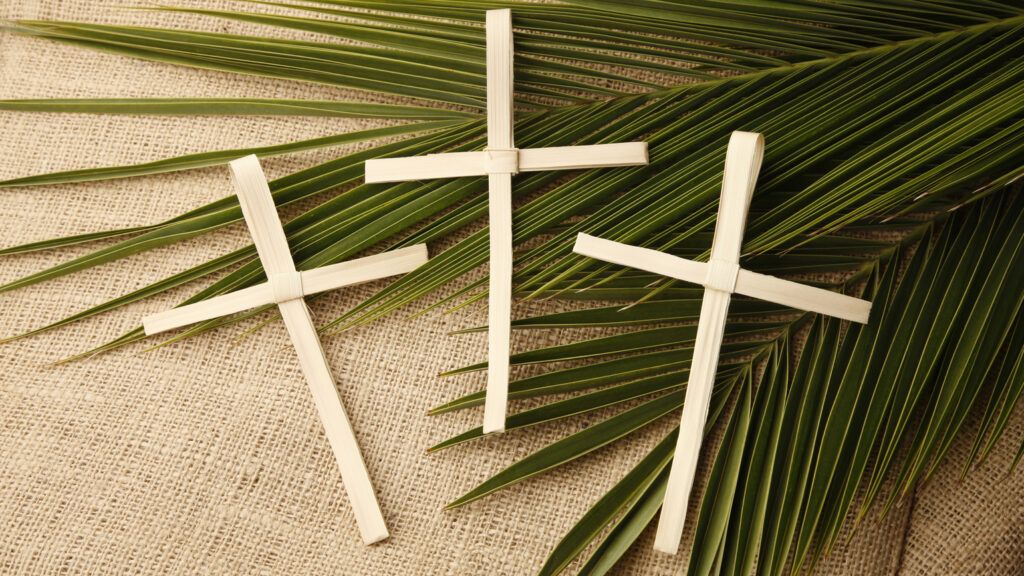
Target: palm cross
[
  {"x": 721, "y": 277},
  {"x": 499, "y": 162},
  {"x": 286, "y": 287}
]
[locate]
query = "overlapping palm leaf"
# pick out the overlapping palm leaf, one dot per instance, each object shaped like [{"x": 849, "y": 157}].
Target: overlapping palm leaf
[
  {"x": 880, "y": 119},
  {"x": 848, "y": 396}
]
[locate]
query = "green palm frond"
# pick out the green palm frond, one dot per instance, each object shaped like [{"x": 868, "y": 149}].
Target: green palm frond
[
  {"x": 847, "y": 397},
  {"x": 895, "y": 132}
]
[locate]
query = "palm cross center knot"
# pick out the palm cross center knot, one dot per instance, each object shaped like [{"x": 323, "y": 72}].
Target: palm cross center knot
[
  {"x": 501, "y": 161},
  {"x": 722, "y": 275},
  {"x": 286, "y": 286}
]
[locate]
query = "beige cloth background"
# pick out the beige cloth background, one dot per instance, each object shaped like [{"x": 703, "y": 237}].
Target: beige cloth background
[{"x": 207, "y": 456}]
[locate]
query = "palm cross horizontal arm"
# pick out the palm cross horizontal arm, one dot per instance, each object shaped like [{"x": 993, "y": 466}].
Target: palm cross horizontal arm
[
  {"x": 499, "y": 162},
  {"x": 286, "y": 287},
  {"x": 721, "y": 277}
]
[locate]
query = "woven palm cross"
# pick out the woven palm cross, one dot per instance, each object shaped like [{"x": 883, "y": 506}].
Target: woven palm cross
[
  {"x": 499, "y": 162},
  {"x": 286, "y": 287},
  {"x": 721, "y": 277}
]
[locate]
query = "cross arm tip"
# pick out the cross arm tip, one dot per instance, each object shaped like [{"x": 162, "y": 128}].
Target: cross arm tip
[
  {"x": 430, "y": 166},
  {"x": 666, "y": 547},
  {"x": 802, "y": 296},
  {"x": 845, "y": 307},
  {"x": 628, "y": 153},
  {"x": 376, "y": 536},
  {"x": 863, "y": 312},
  {"x": 852, "y": 309},
  {"x": 421, "y": 252},
  {"x": 406, "y": 259},
  {"x": 375, "y": 171},
  {"x": 413, "y": 256},
  {"x": 586, "y": 245},
  {"x": 494, "y": 428},
  {"x": 159, "y": 322},
  {"x": 754, "y": 138},
  {"x": 366, "y": 269},
  {"x": 244, "y": 162},
  {"x": 147, "y": 326},
  {"x": 582, "y": 237},
  {"x": 643, "y": 152}
]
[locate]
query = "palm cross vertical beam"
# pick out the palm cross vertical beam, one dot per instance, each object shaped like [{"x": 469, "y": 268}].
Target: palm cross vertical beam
[
  {"x": 499, "y": 162},
  {"x": 721, "y": 277},
  {"x": 286, "y": 288}
]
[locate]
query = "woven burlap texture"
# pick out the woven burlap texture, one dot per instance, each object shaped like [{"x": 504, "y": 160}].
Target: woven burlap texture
[{"x": 207, "y": 456}]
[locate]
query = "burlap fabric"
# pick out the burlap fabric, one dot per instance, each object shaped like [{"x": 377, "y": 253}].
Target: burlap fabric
[{"x": 207, "y": 456}]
